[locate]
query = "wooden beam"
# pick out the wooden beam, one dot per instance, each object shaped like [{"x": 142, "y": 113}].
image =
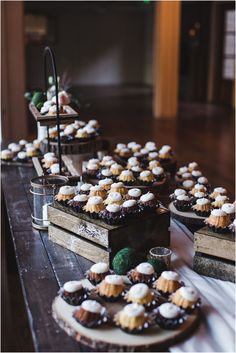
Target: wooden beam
[
  {"x": 166, "y": 58},
  {"x": 14, "y": 118}
]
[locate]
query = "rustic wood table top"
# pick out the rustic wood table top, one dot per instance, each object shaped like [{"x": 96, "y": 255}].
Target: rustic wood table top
[{"x": 43, "y": 266}]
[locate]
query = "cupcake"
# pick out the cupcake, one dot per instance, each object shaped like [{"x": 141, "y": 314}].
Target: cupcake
[
  {"x": 229, "y": 208},
  {"x": 108, "y": 164},
  {"x": 112, "y": 214},
  {"x": 114, "y": 197},
  {"x": 196, "y": 174},
  {"x": 144, "y": 153},
  {"x": 134, "y": 194},
  {"x": 188, "y": 184},
  {"x": 140, "y": 293},
  {"x": 198, "y": 195},
  {"x": 85, "y": 189},
  {"x": 186, "y": 298},
  {"x": 192, "y": 166},
  {"x": 73, "y": 292},
  {"x": 54, "y": 169},
  {"x": 90, "y": 314},
  {"x": 94, "y": 124},
  {"x": 204, "y": 181},
  {"x": 93, "y": 206},
  {"x": 136, "y": 170},
  {"x": 146, "y": 177},
  {"x": 53, "y": 132},
  {"x": 143, "y": 273},
  {"x": 70, "y": 131},
  {"x": 111, "y": 288},
  {"x": 78, "y": 202},
  {"x": 132, "y": 162},
  {"x": 119, "y": 147},
  {"x": 186, "y": 176},
  {"x": 7, "y": 155},
  {"x": 151, "y": 146},
  {"x": 97, "y": 190},
  {"x": 154, "y": 164},
  {"x": 105, "y": 159},
  {"x": 202, "y": 208},
  {"x": 11, "y": 145},
  {"x": 94, "y": 161},
  {"x": 116, "y": 169},
  {"x": 22, "y": 157},
  {"x": 136, "y": 148},
  {"x": 126, "y": 177},
  {"x": 105, "y": 173},
  {"x": 48, "y": 160},
  {"x": 218, "y": 191},
  {"x": 31, "y": 152},
  {"x": 148, "y": 202},
  {"x": 218, "y": 221},
  {"x": 66, "y": 193},
  {"x": 105, "y": 183},
  {"x": 219, "y": 201},
  {"x": 23, "y": 143},
  {"x": 125, "y": 153},
  {"x": 169, "y": 316},
  {"x": 183, "y": 203},
  {"x": 158, "y": 173},
  {"x": 90, "y": 131},
  {"x": 92, "y": 170},
  {"x": 16, "y": 149},
  {"x": 131, "y": 144},
  {"x": 36, "y": 144},
  {"x": 165, "y": 153},
  {"x": 82, "y": 134},
  {"x": 119, "y": 187},
  {"x": 177, "y": 193},
  {"x": 198, "y": 188},
  {"x": 152, "y": 156},
  {"x": 98, "y": 272},
  {"x": 181, "y": 171},
  {"x": 132, "y": 318},
  {"x": 130, "y": 209},
  {"x": 167, "y": 283}
]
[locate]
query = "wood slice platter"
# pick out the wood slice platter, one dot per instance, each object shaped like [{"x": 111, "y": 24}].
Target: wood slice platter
[
  {"x": 50, "y": 120},
  {"x": 189, "y": 218},
  {"x": 111, "y": 338}
]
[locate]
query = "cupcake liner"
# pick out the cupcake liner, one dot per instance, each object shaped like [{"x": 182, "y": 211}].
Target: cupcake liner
[
  {"x": 96, "y": 282},
  {"x": 93, "y": 215},
  {"x": 103, "y": 319},
  {"x": 147, "y": 281},
  {"x": 73, "y": 300},
  {"x": 170, "y": 324},
  {"x": 182, "y": 208}
]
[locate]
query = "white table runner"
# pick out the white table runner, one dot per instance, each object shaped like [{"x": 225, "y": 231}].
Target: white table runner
[{"x": 216, "y": 332}]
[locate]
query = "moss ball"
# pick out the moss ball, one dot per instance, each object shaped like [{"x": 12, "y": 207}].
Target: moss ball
[
  {"x": 124, "y": 260},
  {"x": 158, "y": 265}
]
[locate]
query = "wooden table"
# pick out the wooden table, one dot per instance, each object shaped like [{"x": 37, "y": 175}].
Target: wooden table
[{"x": 42, "y": 265}]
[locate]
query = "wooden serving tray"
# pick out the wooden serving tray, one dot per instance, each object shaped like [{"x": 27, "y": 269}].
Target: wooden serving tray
[
  {"x": 50, "y": 120},
  {"x": 109, "y": 338}
]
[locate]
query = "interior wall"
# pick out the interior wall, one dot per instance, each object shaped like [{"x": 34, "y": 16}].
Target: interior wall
[{"x": 96, "y": 48}]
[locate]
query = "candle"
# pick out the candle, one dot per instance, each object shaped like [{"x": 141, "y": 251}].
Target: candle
[{"x": 45, "y": 215}]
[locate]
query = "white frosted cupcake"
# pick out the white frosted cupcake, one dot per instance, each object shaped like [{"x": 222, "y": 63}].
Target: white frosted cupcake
[
  {"x": 202, "y": 207},
  {"x": 134, "y": 194},
  {"x": 220, "y": 201},
  {"x": 85, "y": 188},
  {"x": 105, "y": 173},
  {"x": 192, "y": 166},
  {"x": 90, "y": 314},
  {"x": 167, "y": 283},
  {"x": 187, "y": 184},
  {"x": 178, "y": 192},
  {"x": 165, "y": 153},
  {"x": 65, "y": 194},
  {"x": 127, "y": 177},
  {"x": 7, "y": 155},
  {"x": 114, "y": 197},
  {"x": 218, "y": 221},
  {"x": 132, "y": 318},
  {"x": 111, "y": 287},
  {"x": 119, "y": 187},
  {"x": 92, "y": 169},
  {"x": 112, "y": 214},
  {"x": 229, "y": 208},
  {"x": 78, "y": 202},
  {"x": 105, "y": 183},
  {"x": 97, "y": 190},
  {"x": 140, "y": 293},
  {"x": 93, "y": 206},
  {"x": 183, "y": 203},
  {"x": 116, "y": 169},
  {"x": 146, "y": 177},
  {"x": 98, "y": 272},
  {"x": 148, "y": 202},
  {"x": 186, "y": 298},
  {"x": 158, "y": 173},
  {"x": 143, "y": 273},
  {"x": 73, "y": 292},
  {"x": 217, "y": 192},
  {"x": 154, "y": 164},
  {"x": 169, "y": 316}
]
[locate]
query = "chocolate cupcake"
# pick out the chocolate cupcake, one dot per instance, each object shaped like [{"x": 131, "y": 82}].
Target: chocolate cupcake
[
  {"x": 127, "y": 177},
  {"x": 105, "y": 173},
  {"x": 218, "y": 221},
  {"x": 113, "y": 198},
  {"x": 112, "y": 214},
  {"x": 202, "y": 207},
  {"x": 130, "y": 209},
  {"x": 111, "y": 288},
  {"x": 78, "y": 202},
  {"x": 90, "y": 314},
  {"x": 134, "y": 194},
  {"x": 148, "y": 202},
  {"x": 158, "y": 173},
  {"x": 136, "y": 170},
  {"x": 132, "y": 319},
  {"x": 177, "y": 193},
  {"x": 169, "y": 316},
  {"x": 85, "y": 188},
  {"x": 93, "y": 206},
  {"x": 183, "y": 203},
  {"x": 196, "y": 174},
  {"x": 73, "y": 292},
  {"x": 143, "y": 273},
  {"x": 98, "y": 272},
  {"x": 92, "y": 170},
  {"x": 146, "y": 178},
  {"x": 66, "y": 193},
  {"x": 22, "y": 157},
  {"x": 187, "y": 184},
  {"x": 186, "y": 298}
]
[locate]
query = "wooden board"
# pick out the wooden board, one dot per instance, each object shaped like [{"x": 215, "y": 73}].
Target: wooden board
[
  {"x": 50, "y": 120},
  {"x": 215, "y": 267},
  {"x": 188, "y": 218},
  {"x": 108, "y": 338},
  {"x": 215, "y": 244},
  {"x": 77, "y": 244}
]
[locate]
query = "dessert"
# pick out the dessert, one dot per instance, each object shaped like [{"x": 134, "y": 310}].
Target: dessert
[
  {"x": 7, "y": 155},
  {"x": 203, "y": 181},
  {"x": 202, "y": 207},
  {"x": 188, "y": 184},
  {"x": 31, "y": 152},
  {"x": 104, "y": 173},
  {"x": 196, "y": 174},
  {"x": 186, "y": 298},
  {"x": 114, "y": 197},
  {"x": 144, "y": 153},
  {"x": 183, "y": 203},
  {"x": 98, "y": 272},
  {"x": 126, "y": 177},
  {"x": 22, "y": 157},
  {"x": 152, "y": 156},
  {"x": 158, "y": 173},
  {"x": 105, "y": 183},
  {"x": 85, "y": 188},
  {"x": 23, "y": 143},
  {"x": 192, "y": 166},
  {"x": 136, "y": 170},
  {"x": 167, "y": 283},
  {"x": 15, "y": 148},
  {"x": 199, "y": 195},
  {"x": 93, "y": 206},
  {"x": 178, "y": 192},
  {"x": 92, "y": 170},
  {"x": 73, "y": 292},
  {"x": 90, "y": 314},
  {"x": 112, "y": 214},
  {"x": 198, "y": 188},
  {"x": 218, "y": 191},
  {"x": 169, "y": 316},
  {"x": 153, "y": 164},
  {"x": 119, "y": 187},
  {"x": 97, "y": 190},
  {"x": 119, "y": 147},
  {"x": 125, "y": 153},
  {"x": 148, "y": 202},
  {"x": 140, "y": 293},
  {"x": 94, "y": 123},
  {"x": 146, "y": 177},
  {"x": 219, "y": 201},
  {"x": 229, "y": 208},
  {"x": 111, "y": 287},
  {"x": 105, "y": 159},
  {"x": 78, "y": 202},
  {"x": 218, "y": 221},
  {"x": 116, "y": 169},
  {"x": 134, "y": 194},
  {"x": 165, "y": 153},
  {"x": 65, "y": 194},
  {"x": 143, "y": 273},
  {"x": 181, "y": 171},
  {"x": 94, "y": 161},
  {"x": 135, "y": 148},
  {"x": 130, "y": 208},
  {"x": 82, "y": 134},
  {"x": 186, "y": 176},
  {"x": 48, "y": 160},
  {"x": 132, "y": 318},
  {"x": 132, "y": 162},
  {"x": 151, "y": 146}
]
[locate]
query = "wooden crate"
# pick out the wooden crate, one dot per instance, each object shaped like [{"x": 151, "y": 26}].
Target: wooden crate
[{"x": 142, "y": 234}]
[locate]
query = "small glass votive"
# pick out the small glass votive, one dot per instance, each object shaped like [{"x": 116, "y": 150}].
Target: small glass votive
[{"x": 161, "y": 254}]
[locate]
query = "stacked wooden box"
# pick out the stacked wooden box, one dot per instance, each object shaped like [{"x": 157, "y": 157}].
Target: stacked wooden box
[
  {"x": 214, "y": 254},
  {"x": 98, "y": 241}
]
